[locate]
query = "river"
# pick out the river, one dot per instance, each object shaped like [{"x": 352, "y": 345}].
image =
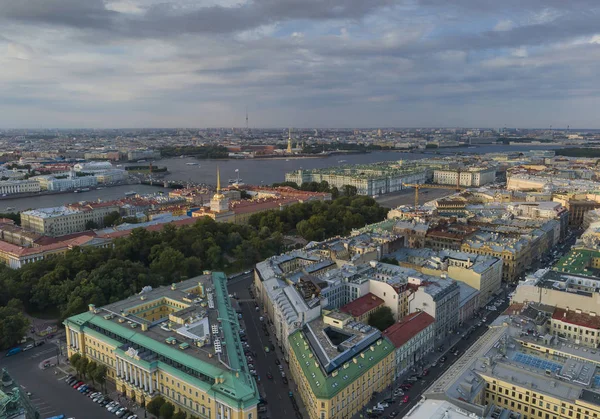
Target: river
[
  {"x": 267, "y": 171},
  {"x": 251, "y": 171}
]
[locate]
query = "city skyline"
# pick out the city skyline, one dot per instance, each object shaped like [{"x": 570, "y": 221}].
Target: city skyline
[{"x": 345, "y": 63}]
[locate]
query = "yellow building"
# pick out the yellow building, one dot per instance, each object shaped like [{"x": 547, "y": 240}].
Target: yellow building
[
  {"x": 180, "y": 342},
  {"x": 532, "y": 376},
  {"x": 337, "y": 377}
]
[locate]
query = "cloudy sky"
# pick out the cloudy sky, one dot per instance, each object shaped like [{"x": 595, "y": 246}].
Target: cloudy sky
[{"x": 302, "y": 63}]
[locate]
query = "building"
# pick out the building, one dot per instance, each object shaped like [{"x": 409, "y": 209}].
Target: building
[
  {"x": 469, "y": 302},
  {"x": 532, "y": 374},
  {"x": 515, "y": 252},
  {"x": 361, "y": 308},
  {"x": 372, "y": 179},
  {"x": 9, "y": 187},
  {"x": 483, "y": 273},
  {"x": 338, "y": 364},
  {"x": 440, "y": 298},
  {"x": 413, "y": 337},
  {"x": 472, "y": 176},
  {"x": 578, "y": 205},
  {"x": 576, "y": 326},
  {"x": 143, "y": 154},
  {"x": 441, "y": 409},
  {"x": 65, "y": 182},
  {"x": 59, "y": 221},
  {"x": 180, "y": 342},
  {"x": 94, "y": 166}
]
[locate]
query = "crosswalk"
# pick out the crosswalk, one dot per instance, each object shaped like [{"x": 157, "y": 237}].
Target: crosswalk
[{"x": 42, "y": 353}]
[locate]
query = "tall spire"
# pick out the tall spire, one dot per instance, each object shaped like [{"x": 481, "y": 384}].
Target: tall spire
[
  {"x": 218, "y": 181},
  {"x": 289, "y": 147}
]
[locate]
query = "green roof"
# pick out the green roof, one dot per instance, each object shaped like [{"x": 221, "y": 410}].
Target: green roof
[
  {"x": 325, "y": 387},
  {"x": 577, "y": 262},
  {"x": 240, "y": 390}
]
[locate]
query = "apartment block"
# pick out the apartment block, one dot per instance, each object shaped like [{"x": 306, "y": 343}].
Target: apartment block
[
  {"x": 338, "y": 364},
  {"x": 414, "y": 338}
]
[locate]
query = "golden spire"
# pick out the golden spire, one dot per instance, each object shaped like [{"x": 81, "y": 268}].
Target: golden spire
[{"x": 218, "y": 181}]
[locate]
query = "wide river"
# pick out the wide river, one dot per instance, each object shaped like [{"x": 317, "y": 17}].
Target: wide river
[{"x": 251, "y": 171}]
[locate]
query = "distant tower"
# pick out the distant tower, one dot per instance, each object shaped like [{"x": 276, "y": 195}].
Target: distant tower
[
  {"x": 289, "y": 148},
  {"x": 219, "y": 202},
  {"x": 246, "y": 118},
  {"x": 379, "y": 133}
]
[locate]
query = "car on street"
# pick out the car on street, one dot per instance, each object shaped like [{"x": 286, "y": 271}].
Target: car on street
[
  {"x": 266, "y": 349},
  {"x": 443, "y": 359},
  {"x": 269, "y": 376},
  {"x": 425, "y": 372},
  {"x": 277, "y": 361},
  {"x": 406, "y": 399},
  {"x": 285, "y": 380}
]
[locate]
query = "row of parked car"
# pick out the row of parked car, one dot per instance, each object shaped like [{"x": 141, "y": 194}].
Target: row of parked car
[{"x": 100, "y": 398}]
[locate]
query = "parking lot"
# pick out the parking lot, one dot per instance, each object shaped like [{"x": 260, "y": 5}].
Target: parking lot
[{"x": 49, "y": 393}]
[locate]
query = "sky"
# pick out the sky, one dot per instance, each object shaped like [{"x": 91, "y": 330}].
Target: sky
[{"x": 299, "y": 63}]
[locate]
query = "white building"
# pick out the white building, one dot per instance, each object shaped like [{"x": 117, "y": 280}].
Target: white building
[
  {"x": 473, "y": 176},
  {"x": 93, "y": 166},
  {"x": 19, "y": 186}
]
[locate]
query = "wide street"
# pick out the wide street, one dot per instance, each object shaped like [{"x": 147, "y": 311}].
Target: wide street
[
  {"x": 49, "y": 393},
  {"x": 275, "y": 391}
]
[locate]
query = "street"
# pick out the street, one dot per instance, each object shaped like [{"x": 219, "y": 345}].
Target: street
[
  {"x": 49, "y": 393},
  {"x": 275, "y": 391},
  {"x": 419, "y": 387}
]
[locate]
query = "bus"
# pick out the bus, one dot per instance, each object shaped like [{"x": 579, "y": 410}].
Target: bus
[{"x": 57, "y": 417}]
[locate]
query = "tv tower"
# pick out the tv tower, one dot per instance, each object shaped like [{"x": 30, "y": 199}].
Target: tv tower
[
  {"x": 247, "y": 119},
  {"x": 289, "y": 147}
]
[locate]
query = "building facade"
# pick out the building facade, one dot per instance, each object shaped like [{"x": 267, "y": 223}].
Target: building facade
[
  {"x": 473, "y": 176},
  {"x": 19, "y": 186},
  {"x": 170, "y": 342},
  {"x": 413, "y": 337}
]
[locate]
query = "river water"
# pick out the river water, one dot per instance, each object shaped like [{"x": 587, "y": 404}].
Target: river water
[{"x": 251, "y": 171}]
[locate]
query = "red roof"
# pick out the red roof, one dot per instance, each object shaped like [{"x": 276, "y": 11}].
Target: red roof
[
  {"x": 362, "y": 305},
  {"x": 403, "y": 331},
  {"x": 578, "y": 319}
]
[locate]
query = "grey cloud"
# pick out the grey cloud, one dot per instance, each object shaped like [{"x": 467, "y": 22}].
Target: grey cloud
[{"x": 165, "y": 19}]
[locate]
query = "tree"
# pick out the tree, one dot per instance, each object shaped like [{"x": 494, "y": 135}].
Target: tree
[
  {"x": 111, "y": 218},
  {"x": 75, "y": 361},
  {"x": 90, "y": 369},
  {"x": 180, "y": 415},
  {"x": 390, "y": 261},
  {"x": 167, "y": 410},
  {"x": 83, "y": 364},
  {"x": 155, "y": 405},
  {"x": 13, "y": 324},
  {"x": 349, "y": 190},
  {"x": 99, "y": 374},
  {"x": 382, "y": 318},
  {"x": 91, "y": 225}
]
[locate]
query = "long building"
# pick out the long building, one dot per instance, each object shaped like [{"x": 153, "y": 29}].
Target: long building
[
  {"x": 338, "y": 365},
  {"x": 372, "y": 179},
  {"x": 59, "y": 221},
  {"x": 9, "y": 187},
  {"x": 473, "y": 176},
  {"x": 180, "y": 342}
]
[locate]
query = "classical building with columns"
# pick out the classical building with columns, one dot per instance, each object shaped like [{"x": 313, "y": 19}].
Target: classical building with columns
[{"x": 181, "y": 342}]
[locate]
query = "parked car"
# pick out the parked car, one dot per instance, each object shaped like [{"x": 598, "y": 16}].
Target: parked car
[
  {"x": 406, "y": 399},
  {"x": 269, "y": 376}
]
